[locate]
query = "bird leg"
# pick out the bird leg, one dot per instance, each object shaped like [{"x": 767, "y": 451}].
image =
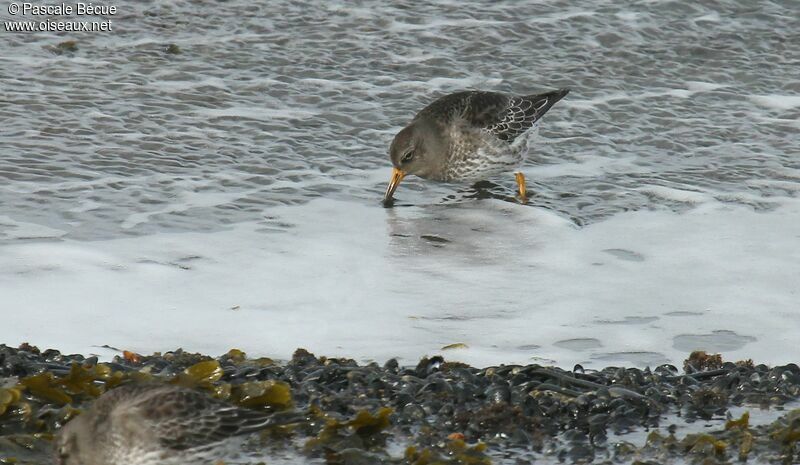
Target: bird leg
[{"x": 523, "y": 193}]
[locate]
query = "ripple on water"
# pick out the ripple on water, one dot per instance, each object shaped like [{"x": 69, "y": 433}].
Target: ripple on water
[{"x": 678, "y": 105}]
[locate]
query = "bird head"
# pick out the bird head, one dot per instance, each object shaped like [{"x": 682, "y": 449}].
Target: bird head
[{"x": 412, "y": 152}]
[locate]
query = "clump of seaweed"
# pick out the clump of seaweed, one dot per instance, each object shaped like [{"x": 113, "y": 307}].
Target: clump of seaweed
[
  {"x": 454, "y": 452},
  {"x": 444, "y": 412},
  {"x": 701, "y": 361},
  {"x": 366, "y": 430}
]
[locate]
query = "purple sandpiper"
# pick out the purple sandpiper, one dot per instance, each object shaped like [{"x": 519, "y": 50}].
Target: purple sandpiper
[
  {"x": 156, "y": 424},
  {"x": 468, "y": 136}
]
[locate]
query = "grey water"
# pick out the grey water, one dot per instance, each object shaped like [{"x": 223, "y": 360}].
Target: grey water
[{"x": 281, "y": 102}]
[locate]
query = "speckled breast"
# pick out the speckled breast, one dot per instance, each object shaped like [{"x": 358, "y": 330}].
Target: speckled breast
[{"x": 480, "y": 156}]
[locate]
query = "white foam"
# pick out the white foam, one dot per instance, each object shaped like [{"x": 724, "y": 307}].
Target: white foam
[
  {"x": 358, "y": 280},
  {"x": 12, "y": 229},
  {"x": 777, "y": 102},
  {"x": 398, "y": 26},
  {"x": 780, "y": 121},
  {"x": 692, "y": 88},
  {"x": 712, "y": 17},
  {"x": 699, "y": 86},
  {"x": 181, "y": 85},
  {"x": 678, "y": 195},
  {"x": 786, "y": 185},
  {"x": 628, "y": 15},
  {"x": 586, "y": 166},
  {"x": 257, "y": 113},
  {"x": 561, "y": 16},
  {"x": 442, "y": 83}
]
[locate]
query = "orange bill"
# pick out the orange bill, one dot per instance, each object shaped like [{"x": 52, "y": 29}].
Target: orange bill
[{"x": 397, "y": 176}]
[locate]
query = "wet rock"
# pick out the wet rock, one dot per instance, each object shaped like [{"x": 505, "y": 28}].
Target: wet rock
[{"x": 434, "y": 407}]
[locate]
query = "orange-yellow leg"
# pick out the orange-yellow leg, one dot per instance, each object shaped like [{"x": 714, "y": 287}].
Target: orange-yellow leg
[{"x": 523, "y": 193}]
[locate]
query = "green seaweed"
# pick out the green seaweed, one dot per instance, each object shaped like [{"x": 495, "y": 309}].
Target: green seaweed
[
  {"x": 456, "y": 452},
  {"x": 270, "y": 393},
  {"x": 703, "y": 443},
  {"x": 90, "y": 380},
  {"x": 8, "y": 397},
  {"x": 786, "y": 430},
  {"x": 201, "y": 374},
  {"x": 236, "y": 356},
  {"x": 362, "y": 431},
  {"x": 46, "y": 387},
  {"x": 742, "y": 423},
  {"x": 81, "y": 379},
  {"x": 367, "y": 424},
  {"x": 745, "y": 445}
]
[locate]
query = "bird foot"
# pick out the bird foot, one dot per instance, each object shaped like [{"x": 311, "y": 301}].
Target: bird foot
[{"x": 523, "y": 192}]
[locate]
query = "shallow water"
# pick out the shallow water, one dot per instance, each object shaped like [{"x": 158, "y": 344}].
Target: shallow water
[{"x": 228, "y": 195}]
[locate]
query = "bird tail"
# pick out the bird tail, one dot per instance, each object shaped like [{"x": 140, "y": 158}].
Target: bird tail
[{"x": 543, "y": 102}]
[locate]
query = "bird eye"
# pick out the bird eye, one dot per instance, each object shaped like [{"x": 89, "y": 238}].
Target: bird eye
[{"x": 407, "y": 157}]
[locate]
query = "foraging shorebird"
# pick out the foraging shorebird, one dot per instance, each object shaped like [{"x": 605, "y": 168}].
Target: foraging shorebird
[
  {"x": 467, "y": 137},
  {"x": 156, "y": 424}
]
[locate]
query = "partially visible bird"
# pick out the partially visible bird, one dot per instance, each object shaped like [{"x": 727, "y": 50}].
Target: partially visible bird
[
  {"x": 156, "y": 424},
  {"x": 468, "y": 136}
]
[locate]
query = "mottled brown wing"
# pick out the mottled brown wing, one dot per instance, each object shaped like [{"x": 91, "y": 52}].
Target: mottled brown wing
[
  {"x": 185, "y": 419},
  {"x": 520, "y": 114},
  {"x": 456, "y": 105},
  {"x": 505, "y": 116}
]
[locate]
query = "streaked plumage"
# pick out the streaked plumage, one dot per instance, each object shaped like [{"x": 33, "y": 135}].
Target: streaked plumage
[
  {"x": 154, "y": 424},
  {"x": 468, "y": 136}
]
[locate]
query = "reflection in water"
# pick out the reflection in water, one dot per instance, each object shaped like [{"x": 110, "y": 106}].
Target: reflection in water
[{"x": 475, "y": 233}]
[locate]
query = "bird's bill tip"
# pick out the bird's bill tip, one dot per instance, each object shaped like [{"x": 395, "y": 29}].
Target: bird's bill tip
[{"x": 397, "y": 176}]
